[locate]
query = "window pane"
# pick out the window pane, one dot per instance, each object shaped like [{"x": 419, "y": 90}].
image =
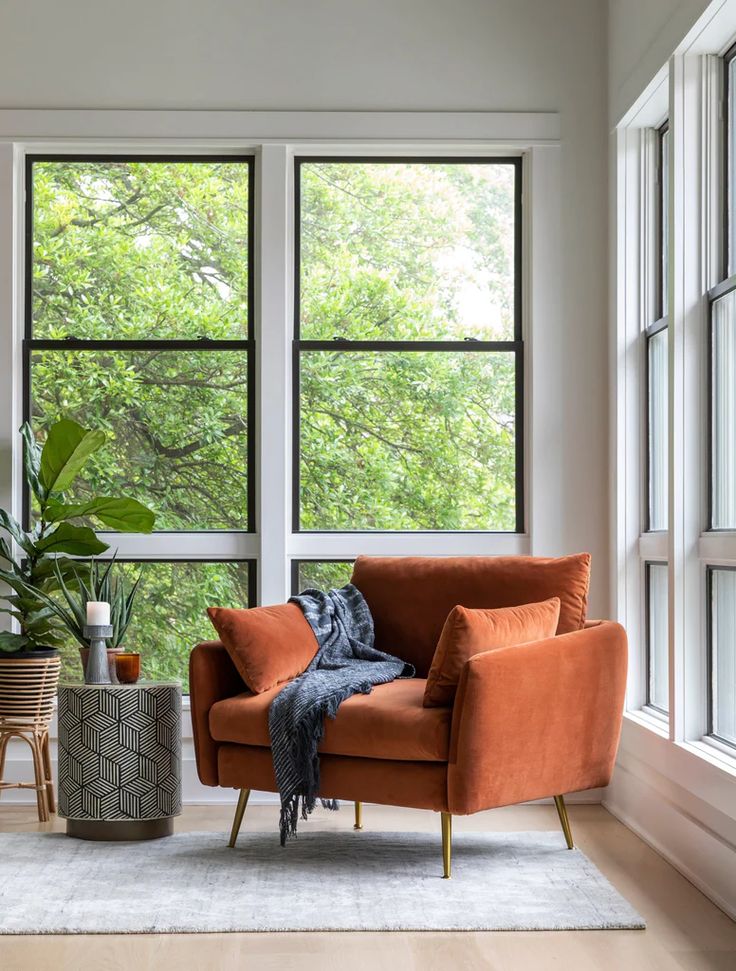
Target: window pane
[
  {"x": 170, "y": 614},
  {"x": 407, "y": 440},
  {"x": 407, "y": 250},
  {"x": 723, "y": 654},
  {"x": 724, "y": 412},
  {"x": 731, "y": 136},
  {"x": 176, "y": 426},
  {"x": 658, "y": 641},
  {"x": 658, "y": 434},
  {"x": 323, "y": 574},
  {"x": 665, "y": 233},
  {"x": 136, "y": 250}
]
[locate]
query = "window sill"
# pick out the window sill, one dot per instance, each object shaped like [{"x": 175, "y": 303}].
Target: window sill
[
  {"x": 675, "y": 768},
  {"x": 652, "y": 720},
  {"x": 713, "y": 752}
]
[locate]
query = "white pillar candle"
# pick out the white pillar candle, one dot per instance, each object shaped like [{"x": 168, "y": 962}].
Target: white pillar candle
[{"x": 98, "y": 613}]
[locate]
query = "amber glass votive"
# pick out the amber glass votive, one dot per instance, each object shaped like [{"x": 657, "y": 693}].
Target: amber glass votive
[{"x": 128, "y": 667}]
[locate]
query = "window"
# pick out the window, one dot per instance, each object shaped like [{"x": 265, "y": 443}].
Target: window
[
  {"x": 722, "y": 337},
  {"x": 721, "y": 580},
  {"x": 723, "y": 406},
  {"x": 139, "y": 321},
  {"x": 408, "y": 352},
  {"x": 407, "y": 362},
  {"x": 656, "y": 341},
  {"x": 320, "y": 574},
  {"x": 657, "y": 368},
  {"x": 663, "y": 228},
  {"x": 729, "y": 195},
  {"x": 657, "y": 639},
  {"x": 722, "y": 653},
  {"x": 655, "y": 695}
]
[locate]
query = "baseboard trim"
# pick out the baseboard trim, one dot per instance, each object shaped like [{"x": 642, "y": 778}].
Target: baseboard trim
[{"x": 696, "y": 851}]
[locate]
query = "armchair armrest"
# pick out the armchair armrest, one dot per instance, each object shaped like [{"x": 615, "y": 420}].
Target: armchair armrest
[
  {"x": 538, "y": 719},
  {"x": 212, "y": 677}
]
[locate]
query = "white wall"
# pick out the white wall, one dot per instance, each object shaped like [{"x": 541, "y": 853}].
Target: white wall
[
  {"x": 510, "y": 55},
  {"x": 386, "y": 54},
  {"x": 641, "y": 36}
]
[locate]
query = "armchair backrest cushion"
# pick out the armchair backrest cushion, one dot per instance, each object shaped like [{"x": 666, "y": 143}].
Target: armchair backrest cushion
[
  {"x": 267, "y": 645},
  {"x": 410, "y": 597},
  {"x": 468, "y": 632}
]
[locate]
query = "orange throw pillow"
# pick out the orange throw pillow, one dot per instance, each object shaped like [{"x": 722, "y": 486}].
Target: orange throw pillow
[
  {"x": 267, "y": 645},
  {"x": 468, "y": 632}
]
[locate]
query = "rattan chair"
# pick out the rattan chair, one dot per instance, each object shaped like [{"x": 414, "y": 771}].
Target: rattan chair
[{"x": 27, "y": 691}]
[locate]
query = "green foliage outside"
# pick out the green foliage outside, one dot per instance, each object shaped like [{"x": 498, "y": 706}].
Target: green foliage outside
[
  {"x": 170, "y": 616},
  {"x": 407, "y": 440},
  {"x": 397, "y": 440},
  {"x": 323, "y": 574},
  {"x": 141, "y": 250}
]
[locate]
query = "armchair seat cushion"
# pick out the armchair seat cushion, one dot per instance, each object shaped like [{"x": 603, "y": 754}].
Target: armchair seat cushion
[{"x": 389, "y": 723}]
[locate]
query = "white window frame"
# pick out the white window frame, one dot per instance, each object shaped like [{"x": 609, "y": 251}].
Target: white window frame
[
  {"x": 687, "y": 91},
  {"x": 673, "y": 785},
  {"x": 275, "y": 138}
]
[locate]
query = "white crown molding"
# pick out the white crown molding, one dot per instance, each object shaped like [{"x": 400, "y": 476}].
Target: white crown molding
[{"x": 504, "y": 127}]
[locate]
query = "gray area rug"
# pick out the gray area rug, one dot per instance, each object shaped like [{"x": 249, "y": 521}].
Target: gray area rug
[{"x": 193, "y": 883}]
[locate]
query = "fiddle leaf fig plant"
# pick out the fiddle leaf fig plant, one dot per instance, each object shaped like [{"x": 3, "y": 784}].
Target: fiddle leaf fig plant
[{"x": 32, "y": 562}]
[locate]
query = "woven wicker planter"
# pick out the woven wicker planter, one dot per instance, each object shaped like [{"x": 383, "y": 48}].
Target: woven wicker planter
[
  {"x": 28, "y": 686},
  {"x": 28, "y": 689}
]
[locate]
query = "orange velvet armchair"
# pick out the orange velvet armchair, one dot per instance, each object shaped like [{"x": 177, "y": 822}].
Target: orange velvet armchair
[{"x": 530, "y": 721}]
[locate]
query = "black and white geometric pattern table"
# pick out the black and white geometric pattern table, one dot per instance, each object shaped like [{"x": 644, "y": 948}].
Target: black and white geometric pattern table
[{"x": 120, "y": 759}]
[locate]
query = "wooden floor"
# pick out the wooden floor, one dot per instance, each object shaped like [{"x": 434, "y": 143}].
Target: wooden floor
[{"x": 684, "y": 930}]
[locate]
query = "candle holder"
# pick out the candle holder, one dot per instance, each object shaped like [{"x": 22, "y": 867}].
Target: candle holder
[{"x": 98, "y": 668}]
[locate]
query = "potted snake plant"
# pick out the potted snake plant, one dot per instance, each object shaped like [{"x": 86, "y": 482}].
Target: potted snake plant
[{"x": 93, "y": 581}]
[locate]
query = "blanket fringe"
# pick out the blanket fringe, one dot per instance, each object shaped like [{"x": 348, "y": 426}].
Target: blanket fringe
[
  {"x": 346, "y": 663},
  {"x": 290, "y": 813}
]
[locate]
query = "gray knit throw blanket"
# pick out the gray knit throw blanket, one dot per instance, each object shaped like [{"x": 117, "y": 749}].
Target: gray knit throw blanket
[{"x": 345, "y": 664}]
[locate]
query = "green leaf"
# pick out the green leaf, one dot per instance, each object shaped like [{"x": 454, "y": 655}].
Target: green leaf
[
  {"x": 12, "y": 525},
  {"x": 125, "y": 515},
  {"x": 67, "y": 448},
  {"x": 23, "y": 604},
  {"x": 70, "y": 619},
  {"x": 5, "y": 554},
  {"x": 13, "y": 613},
  {"x": 77, "y": 606},
  {"x": 76, "y": 540},
  {"x": 46, "y": 566},
  {"x": 14, "y": 581},
  {"x": 40, "y": 621},
  {"x": 12, "y": 642},
  {"x": 32, "y": 461}
]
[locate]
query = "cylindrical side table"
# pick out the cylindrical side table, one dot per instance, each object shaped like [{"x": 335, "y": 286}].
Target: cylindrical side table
[{"x": 120, "y": 759}]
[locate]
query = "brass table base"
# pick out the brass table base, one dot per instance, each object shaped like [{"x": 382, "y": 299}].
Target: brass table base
[{"x": 117, "y": 830}]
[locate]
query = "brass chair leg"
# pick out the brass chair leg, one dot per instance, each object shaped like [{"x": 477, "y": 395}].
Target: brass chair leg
[
  {"x": 358, "y": 815},
  {"x": 239, "y": 813},
  {"x": 562, "y": 813},
  {"x": 446, "y": 845}
]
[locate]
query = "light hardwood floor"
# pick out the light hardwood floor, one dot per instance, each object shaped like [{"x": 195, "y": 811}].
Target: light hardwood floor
[{"x": 684, "y": 930}]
